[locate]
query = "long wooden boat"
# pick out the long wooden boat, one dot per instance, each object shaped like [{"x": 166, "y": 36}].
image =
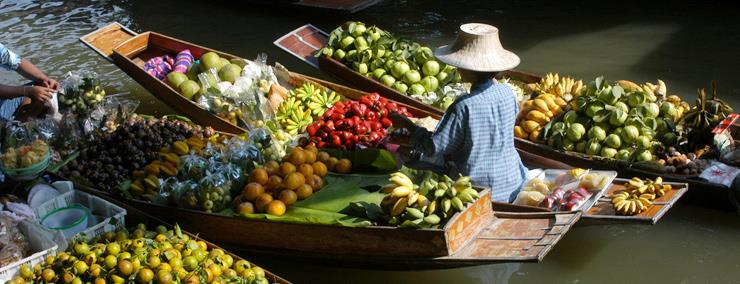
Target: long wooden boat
[
  {"x": 702, "y": 192},
  {"x": 136, "y": 216},
  {"x": 129, "y": 51},
  {"x": 475, "y": 236}
]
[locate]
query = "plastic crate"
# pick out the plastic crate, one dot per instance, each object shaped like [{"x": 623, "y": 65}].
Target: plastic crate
[
  {"x": 40, "y": 241},
  {"x": 104, "y": 216}
]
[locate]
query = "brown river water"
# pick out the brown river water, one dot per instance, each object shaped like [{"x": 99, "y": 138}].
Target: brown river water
[{"x": 686, "y": 44}]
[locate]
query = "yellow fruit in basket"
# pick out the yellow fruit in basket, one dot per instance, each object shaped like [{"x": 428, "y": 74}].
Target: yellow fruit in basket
[
  {"x": 272, "y": 167},
  {"x": 323, "y": 157},
  {"x": 262, "y": 202},
  {"x": 304, "y": 191},
  {"x": 519, "y": 132},
  {"x": 538, "y": 116},
  {"x": 319, "y": 169},
  {"x": 331, "y": 163},
  {"x": 316, "y": 183},
  {"x": 534, "y": 135},
  {"x": 529, "y": 126},
  {"x": 297, "y": 157},
  {"x": 252, "y": 190},
  {"x": 288, "y": 197},
  {"x": 560, "y": 102},
  {"x": 540, "y": 104},
  {"x": 259, "y": 176},
  {"x": 551, "y": 105},
  {"x": 274, "y": 183},
  {"x": 310, "y": 156},
  {"x": 287, "y": 168},
  {"x": 343, "y": 166}
]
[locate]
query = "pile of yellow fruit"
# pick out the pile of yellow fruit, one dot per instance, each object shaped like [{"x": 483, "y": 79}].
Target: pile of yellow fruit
[
  {"x": 146, "y": 181},
  {"x": 553, "y": 94}
]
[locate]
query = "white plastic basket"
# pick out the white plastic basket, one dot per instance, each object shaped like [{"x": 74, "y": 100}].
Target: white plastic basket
[
  {"x": 104, "y": 216},
  {"x": 40, "y": 242}
]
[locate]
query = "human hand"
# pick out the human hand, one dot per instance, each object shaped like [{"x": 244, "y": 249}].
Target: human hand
[
  {"x": 400, "y": 121},
  {"x": 39, "y": 93},
  {"x": 50, "y": 83}
]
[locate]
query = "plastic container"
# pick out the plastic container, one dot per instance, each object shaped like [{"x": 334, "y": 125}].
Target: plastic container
[
  {"x": 69, "y": 220},
  {"x": 41, "y": 243},
  {"x": 30, "y": 172},
  {"x": 104, "y": 216},
  {"x": 41, "y": 193}
]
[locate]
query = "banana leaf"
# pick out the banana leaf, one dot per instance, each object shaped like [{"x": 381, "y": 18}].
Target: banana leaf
[
  {"x": 367, "y": 181},
  {"x": 326, "y": 207},
  {"x": 369, "y": 160}
]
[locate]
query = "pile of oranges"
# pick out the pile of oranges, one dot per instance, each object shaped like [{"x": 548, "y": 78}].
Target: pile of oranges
[{"x": 277, "y": 185}]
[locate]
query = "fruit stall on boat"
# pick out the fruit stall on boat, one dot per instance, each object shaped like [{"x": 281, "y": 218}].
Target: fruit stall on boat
[
  {"x": 108, "y": 242},
  {"x": 374, "y": 60},
  {"x": 356, "y": 199}
]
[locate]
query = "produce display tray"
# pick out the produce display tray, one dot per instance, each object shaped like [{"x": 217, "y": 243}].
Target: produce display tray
[
  {"x": 550, "y": 174},
  {"x": 41, "y": 244},
  {"x": 603, "y": 210}
]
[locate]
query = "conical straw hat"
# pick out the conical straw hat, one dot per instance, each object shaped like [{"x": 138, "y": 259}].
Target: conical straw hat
[{"x": 477, "y": 48}]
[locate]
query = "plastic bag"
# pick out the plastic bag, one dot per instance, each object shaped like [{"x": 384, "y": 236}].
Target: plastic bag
[
  {"x": 13, "y": 244},
  {"x": 81, "y": 93},
  {"x": 214, "y": 192},
  {"x": 185, "y": 194},
  {"x": 164, "y": 194},
  {"x": 192, "y": 166}
]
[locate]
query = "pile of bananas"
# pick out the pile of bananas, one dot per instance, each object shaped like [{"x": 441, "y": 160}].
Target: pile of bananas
[
  {"x": 638, "y": 195},
  {"x": 293, "y": 116},
  {"x": 409, "y": 208},
  {"x": 303, "y": 105},
  {"x": 146, "y": 182},
  {"x": 553, "y": 94}
]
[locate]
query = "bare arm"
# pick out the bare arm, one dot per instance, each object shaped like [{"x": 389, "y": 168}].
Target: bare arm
[
  {"x": 38, "y": 93},
  {"x": 33, "y": 73}
]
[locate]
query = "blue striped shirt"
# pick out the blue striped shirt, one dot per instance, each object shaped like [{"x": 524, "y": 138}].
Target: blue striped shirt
[
  {"x": 476, "y": 134},
  {"x": 8, "y": 59}
]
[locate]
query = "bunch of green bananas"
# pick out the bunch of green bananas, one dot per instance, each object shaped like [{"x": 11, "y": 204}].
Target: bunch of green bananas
[
  {"x": 408, "y": 208},
  {"x": 318, "y": 104},
  {"x": 293, "y": 116}
]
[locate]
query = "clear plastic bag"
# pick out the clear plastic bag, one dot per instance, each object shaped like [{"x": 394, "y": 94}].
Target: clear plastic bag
[
  {"x": 185, "y": 195},
  {"x": 13, "y": 244},
  {"x": 81, "y": 93},
  {"x": 214, "y": 192},
  {"x": 192, "y": 166},
  {"x": 164, "y": 195}
]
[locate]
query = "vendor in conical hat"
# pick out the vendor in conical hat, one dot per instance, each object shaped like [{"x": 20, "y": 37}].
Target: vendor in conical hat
[{"x": 475, "y": 137}]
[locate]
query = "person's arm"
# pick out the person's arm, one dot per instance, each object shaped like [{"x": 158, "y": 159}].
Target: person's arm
[
  {"x": 37, "y": 93},
  {"x": 33, "y": 73},
  {"x": 445, "y": 139}
]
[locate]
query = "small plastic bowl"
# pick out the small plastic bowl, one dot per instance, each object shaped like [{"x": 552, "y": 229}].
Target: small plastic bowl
[
  {"x": 70, "y": 220},
  {"x": 30, "y": 172}
]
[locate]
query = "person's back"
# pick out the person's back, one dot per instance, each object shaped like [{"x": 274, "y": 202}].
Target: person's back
[{"x": 488, "y": 154}]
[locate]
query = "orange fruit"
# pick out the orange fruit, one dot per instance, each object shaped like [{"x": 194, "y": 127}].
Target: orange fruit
[
  {"x": 319, "y": 169},
  {"x": 262, "y": 201},
  {"x": 310, "y": 157},
  {"x": 323, "y": 157},
  {"x": 293, "y": 181},
  {"x": 286, "y": 168},
  {"x": 306, "y": 169},
  {"x": 297, "y": 157},
  {"x": 272, "y": 167},
  {"x": 274, "y": 183},
  {"x": 343, "y": 166},
  {"x": 316, "y": 182},
  {"x": 276, "y": 207},
  {"x": 252, "y": 190},
  {"x": 245, "y": 208},
  {"x": 288, "y": 197},
  {"x": 312, "y": 148},
  {"x": 259, "y": 176},
  {"x": 331, "y": 163},
  {"x": 304, "y": 191},
  {"x": 236, "y": 201}
]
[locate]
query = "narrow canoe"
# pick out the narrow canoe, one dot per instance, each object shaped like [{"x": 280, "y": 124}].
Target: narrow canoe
[
  {"x": 475, "y": 236},
  {"x": 129, "y": 51}
]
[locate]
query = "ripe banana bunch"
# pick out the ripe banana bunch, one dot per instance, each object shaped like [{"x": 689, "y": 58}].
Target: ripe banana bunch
[
  {"x": 405, "y": 205},
  {"x": 318, "y": 104},
  {"x": 640, "y": 193},
  {"x": 631, "y": 204},
  {"x": 536, "y": 113},
  {"x": 563, "y": 87}
]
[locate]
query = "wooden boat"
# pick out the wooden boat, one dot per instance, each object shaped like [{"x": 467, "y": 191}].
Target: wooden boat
[
  {"x": 136, "y": 216},
  {"x": 705, "y": 193},
  {"x": 129, "y": 51},
  {"x": 475, "y": 236}
]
